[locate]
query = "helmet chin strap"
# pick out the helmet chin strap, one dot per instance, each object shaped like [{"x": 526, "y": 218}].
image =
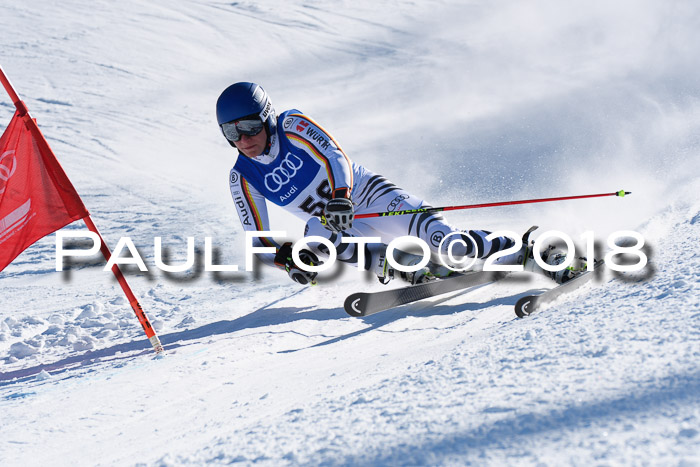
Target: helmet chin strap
[{"x": 268, "y": 144}]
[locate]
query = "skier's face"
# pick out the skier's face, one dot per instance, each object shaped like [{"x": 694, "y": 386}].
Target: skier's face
[{"x": 252, "y": 146}]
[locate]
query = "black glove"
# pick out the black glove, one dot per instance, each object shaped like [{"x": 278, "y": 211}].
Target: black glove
[
  {"x": 284, "y": 260},
  {"x": 339, "y": 211}
]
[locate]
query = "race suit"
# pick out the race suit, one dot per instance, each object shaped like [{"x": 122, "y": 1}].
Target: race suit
[{"x": 300, "y": 171}]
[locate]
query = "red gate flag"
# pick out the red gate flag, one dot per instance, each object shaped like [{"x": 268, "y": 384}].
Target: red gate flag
[{"x": 36, "y": 197}]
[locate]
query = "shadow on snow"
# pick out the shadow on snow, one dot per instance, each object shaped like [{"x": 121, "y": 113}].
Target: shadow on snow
[
  {"x": 523, "y": 428},
  {"x": 262, "y": 317}
]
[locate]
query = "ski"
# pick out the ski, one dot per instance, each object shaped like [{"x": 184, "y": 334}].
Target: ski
[
  {"x": 531, "y": 303},
  {"x": 368, "y": 303}
]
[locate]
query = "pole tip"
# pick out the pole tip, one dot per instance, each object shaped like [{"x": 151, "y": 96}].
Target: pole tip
[{"x": 622, "y": 193}]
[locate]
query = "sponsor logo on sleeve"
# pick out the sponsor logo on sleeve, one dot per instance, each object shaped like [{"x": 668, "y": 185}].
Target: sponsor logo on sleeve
[
  {"x": 319, "y": 138},
  {"x": 437, "y": 238},
  {"x": 242, "y": 210},
  {"x": 395, "y": 203}
]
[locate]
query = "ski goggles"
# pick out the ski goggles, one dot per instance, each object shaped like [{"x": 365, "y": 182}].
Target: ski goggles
[{"x": 233, "y": 131}]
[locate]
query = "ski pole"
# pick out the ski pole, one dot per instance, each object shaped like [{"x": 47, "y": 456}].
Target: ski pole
[{"x": 620, "y": 193}]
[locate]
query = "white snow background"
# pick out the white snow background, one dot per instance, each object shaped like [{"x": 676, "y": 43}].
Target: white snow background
[{"x": 460, "y": 102}]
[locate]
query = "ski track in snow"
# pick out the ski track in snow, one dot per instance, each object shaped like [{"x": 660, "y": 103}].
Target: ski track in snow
[{"x": 525, "y": 99}]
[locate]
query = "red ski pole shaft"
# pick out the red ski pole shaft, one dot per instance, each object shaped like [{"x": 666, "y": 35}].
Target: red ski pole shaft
[{"x": 620, "y": 193}]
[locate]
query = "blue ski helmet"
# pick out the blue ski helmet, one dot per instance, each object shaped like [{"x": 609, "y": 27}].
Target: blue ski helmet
[{"x": 241, "y": 100}]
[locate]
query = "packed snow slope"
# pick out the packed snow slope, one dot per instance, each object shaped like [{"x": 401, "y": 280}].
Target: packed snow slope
[{"x": 460, "y": 102}]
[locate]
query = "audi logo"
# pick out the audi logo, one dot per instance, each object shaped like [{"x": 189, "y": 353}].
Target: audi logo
[
  {"x": 395, "y": 202},
  {"x": 283, "y": 174},
  {"x": 8, "y": 165}
]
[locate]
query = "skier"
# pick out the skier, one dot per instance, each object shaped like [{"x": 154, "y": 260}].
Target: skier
[{"x": 291, "y": 161}]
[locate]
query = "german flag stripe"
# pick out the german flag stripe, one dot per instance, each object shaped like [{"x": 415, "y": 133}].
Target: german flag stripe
[
  {"x": 257, "y": 219},
  {"x": 347, "y": 159},
  {"x": 317, "y": 153}
]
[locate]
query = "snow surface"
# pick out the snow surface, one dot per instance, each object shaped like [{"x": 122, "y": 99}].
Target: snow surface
[{"x": 461, "y": 102}]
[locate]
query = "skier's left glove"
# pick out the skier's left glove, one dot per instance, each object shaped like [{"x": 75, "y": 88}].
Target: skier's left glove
[
  {"x": 284, "y": 260},
  {"x": 339, "y": 211}
]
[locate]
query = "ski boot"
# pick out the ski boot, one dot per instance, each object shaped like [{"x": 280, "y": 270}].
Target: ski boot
[
  {"x": 552, "y": 256},
  {"x": 385, "y": 273}
]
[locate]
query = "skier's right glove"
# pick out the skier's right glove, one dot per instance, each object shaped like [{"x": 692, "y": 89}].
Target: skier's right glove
[{"x": 284, "y": 260}]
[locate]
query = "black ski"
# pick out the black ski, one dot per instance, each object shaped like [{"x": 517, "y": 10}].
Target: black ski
[
  {"x": 368, "y": 303},
  {"x": 531, "y": 303}
]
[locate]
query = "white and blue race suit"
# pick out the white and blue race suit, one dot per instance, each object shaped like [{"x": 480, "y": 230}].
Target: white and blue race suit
[{"x": 300, "y": 170}]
